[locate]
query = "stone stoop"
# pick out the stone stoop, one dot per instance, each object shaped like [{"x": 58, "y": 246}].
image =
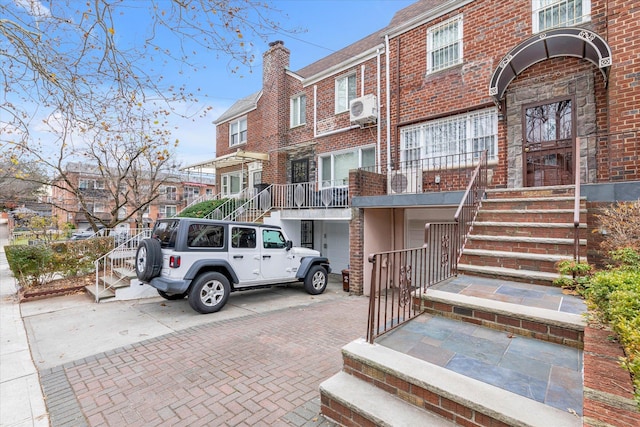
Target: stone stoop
[
  {"x": 382, "y": 387},
  {"x": 522, "y": 234}
]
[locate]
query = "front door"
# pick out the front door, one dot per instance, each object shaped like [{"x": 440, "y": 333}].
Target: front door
[
  {"x": 549, "y": 135},
  {"x": 299, "y": 171}
]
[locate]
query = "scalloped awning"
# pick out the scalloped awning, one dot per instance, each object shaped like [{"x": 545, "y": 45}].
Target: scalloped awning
[{"x": 576, "y": 42}]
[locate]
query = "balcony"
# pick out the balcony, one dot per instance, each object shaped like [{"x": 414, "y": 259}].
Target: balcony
[{"x": 308, "y": 200}]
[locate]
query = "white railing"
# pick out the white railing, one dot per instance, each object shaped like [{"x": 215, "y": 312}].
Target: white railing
[
  {"x": 308, "y": 195},
  {"x": 117, "y": 267},
  {"x": 252, "y": 209}
]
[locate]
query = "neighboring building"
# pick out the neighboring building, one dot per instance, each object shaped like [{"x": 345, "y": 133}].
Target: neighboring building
[
  {"x": 176, "y": 191},
  {"x": 416, "y": 103}
]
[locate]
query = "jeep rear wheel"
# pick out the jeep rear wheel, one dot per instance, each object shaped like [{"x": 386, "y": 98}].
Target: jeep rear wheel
[
  {"x": 148, "y": 259},
  {"x": 172, "y": 297},
  {"x": 315, "y": 282},
  {"x": 209, "y": 292}
]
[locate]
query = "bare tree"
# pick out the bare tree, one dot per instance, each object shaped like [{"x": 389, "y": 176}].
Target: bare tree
[
  {"x": 19, "y": 183},
  {"x": 102, "y": 99}
]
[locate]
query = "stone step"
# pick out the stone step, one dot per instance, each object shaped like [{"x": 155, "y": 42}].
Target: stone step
[
  {"x": 103, "y": 294},
  {"x": 535, "y": 322},
  {"x": 531, "y": 192},
  {"x": 535, "y": 203},
  {"x": 533, "y": 245},
  {"x": 513, "y": 260},
  {"x": 527, "y": 229},
  {"x": 530, "y": 215},
  {"x": 525, "y": 276},
  {"x": 463, "y": 400},
  {"x": 348, "y": 397}
]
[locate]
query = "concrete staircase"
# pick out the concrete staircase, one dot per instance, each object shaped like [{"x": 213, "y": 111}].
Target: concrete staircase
[{"x": 522, "y": 234}]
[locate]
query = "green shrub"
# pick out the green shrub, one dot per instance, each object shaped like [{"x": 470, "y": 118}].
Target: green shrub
[
  {"x": 574, "y": 275},
  {"x": 201, "y": 209},
  {"x": 614, "y": 296},
  {"x": 37, "y": 265}
]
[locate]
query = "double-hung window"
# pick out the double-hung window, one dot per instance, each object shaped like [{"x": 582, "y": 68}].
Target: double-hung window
[
  {"x": 298, "y": 110},
  {"x": 238, "y": 132},
  {"x": 444, "y": 45},
  {"x": 335, "y": 167},
  {"x": 345, "y": 92},
  {"x": 467, "y": 134},
  {"x": 231, "y": 183},
  {"x": 547, "y": 14}
]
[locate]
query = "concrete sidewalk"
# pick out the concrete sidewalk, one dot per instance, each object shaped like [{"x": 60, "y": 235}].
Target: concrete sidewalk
[{"x": 21, "y": 399}]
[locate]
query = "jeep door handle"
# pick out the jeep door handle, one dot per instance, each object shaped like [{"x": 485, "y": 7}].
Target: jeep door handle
[
  {"x": 238, "y": 257},
  {"x": 266, "y": 256}
]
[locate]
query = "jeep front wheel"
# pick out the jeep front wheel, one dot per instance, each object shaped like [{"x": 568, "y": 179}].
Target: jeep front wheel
[
  {"x": 315, "y": 282},
  {"x": 209, "y": 292},
  {"x": 148, "y": 259}
]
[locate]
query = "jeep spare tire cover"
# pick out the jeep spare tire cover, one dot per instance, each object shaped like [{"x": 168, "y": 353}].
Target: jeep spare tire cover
[{"x": 148, "y": 259}]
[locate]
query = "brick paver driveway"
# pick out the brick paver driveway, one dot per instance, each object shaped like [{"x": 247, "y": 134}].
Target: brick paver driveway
[{"x": 262, "y": 369}]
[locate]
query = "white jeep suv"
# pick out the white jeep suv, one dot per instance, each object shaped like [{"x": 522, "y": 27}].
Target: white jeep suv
[{"x": 205, "y": 260}]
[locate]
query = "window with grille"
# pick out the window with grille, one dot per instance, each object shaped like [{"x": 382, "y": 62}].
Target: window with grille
[
  {"x": 468, "y": 133},
  {"x": 444, "y": 45},
  {"x": 547, "y": 14}
]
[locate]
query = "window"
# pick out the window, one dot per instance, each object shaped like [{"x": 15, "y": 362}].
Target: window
[
  {"x": 205, "y": 236},
  {"x": 238, "y": 132},
  {"x": 444, "y": 45},
  {"x": 559, "y": 13},
  {"x": 466, "y": 133},
  {"x": 167, "y": 211},
  {"x": 335, "y": 167},
  {"x": 90, "y": 184},
  {"x": 170, "y": 193},
  {"x": 345, "y": 92},
  {"x": 298, "y": 110},
  {"x": 273, "y": 239},
  {"x": 306, "y": 234},
  {"x": 231, "y": 183},
  {"x": 242, "y": 237}
]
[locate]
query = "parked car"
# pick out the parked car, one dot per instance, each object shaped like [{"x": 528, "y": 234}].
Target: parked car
[
  {"x": 206, "y": 260},
  {"x": 87, "y": 233}
]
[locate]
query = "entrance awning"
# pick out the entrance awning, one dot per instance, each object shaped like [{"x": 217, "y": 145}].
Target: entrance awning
[
  {"x": 231, "y": 159},
  {"x": 576, "y": 42}
]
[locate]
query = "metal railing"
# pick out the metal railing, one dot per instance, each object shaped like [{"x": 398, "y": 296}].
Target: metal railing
[
  {"x": 307, "y": 195},
  {"x": 400, "y": 278},
  {"x": 471, "y": 202},
  {"x": 576, "y": 204},
  {"x": 252, "y": 209},
  {"x": 117, "y": 267}
]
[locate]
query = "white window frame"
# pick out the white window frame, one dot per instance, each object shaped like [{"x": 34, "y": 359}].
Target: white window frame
[
  {"x": 345, "y": 95},
  {"x": 163, "y": 211},
  {"x": 339, "y": 182},
  {"x": 297, "y": 112},
  {"x": 541, "y": 6},
  {"x": 170, "y": 193},
  {"x": 431, "y": 49},
  {"x": 226, "y": 183},
  {"x": 450, "y": 136},
  {"x": 241, "y": 131}
]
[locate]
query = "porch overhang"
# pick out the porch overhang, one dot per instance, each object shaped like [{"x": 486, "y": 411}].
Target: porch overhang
[
  {"x": 228, "y": 160},
  {"x": 576, "y": 42}
]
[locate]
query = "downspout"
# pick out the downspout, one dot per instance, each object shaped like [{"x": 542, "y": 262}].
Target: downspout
[
  {"x": 388, "y": 103},
  {"x": 378, "y": 110},
  {"x": 315, "y": 110},
  {"x": 362, "y": 70}
]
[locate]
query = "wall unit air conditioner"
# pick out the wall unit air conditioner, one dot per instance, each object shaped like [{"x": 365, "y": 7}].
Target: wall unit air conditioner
[
  {"x": 405, "y": 181},
  {"x": 364, "y": 109}
]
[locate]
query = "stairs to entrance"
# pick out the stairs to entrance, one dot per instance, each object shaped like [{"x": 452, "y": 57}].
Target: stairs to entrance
[
  {"x": 485, "y": 352},
  {"x": 522, "y": 234},
  {"x": 495, "y": 346}
]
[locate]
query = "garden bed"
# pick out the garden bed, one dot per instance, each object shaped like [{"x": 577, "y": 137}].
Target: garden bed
[{"x": 59, "y": 287}]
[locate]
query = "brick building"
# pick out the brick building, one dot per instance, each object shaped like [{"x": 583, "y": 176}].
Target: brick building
[
  {"x": 176, "y": 191},
  {"x": 536, "y": 84}
]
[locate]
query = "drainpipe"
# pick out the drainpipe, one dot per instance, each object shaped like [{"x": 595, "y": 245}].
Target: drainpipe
[
  {"x": 378, "y": 109},
  {"x": 362, "y": 70},
  {"x": 388, "y": 103}
]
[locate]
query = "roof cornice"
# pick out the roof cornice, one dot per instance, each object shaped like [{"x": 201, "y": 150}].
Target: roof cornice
[
  {"x": 338, "y": 68},
  {"x": 427, "y": 16}
]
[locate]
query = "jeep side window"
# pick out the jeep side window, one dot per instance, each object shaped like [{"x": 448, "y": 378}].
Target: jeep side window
[
  {"x": 165, "y": 231},
  {"x": 243, "y": 237},
  {"x": 205, "y": 236},
  {"x": 273, "y": 239}
]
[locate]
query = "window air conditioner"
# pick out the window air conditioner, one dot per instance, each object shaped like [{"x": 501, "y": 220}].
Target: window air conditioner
[
  {"x": 405, "y": 181},
  {"x": 364, "y": 109}
]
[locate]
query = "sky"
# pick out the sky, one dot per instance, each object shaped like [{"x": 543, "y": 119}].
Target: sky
[
  {"x": 329, "y": 25},
  {"x": 322, "y": 27}
]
